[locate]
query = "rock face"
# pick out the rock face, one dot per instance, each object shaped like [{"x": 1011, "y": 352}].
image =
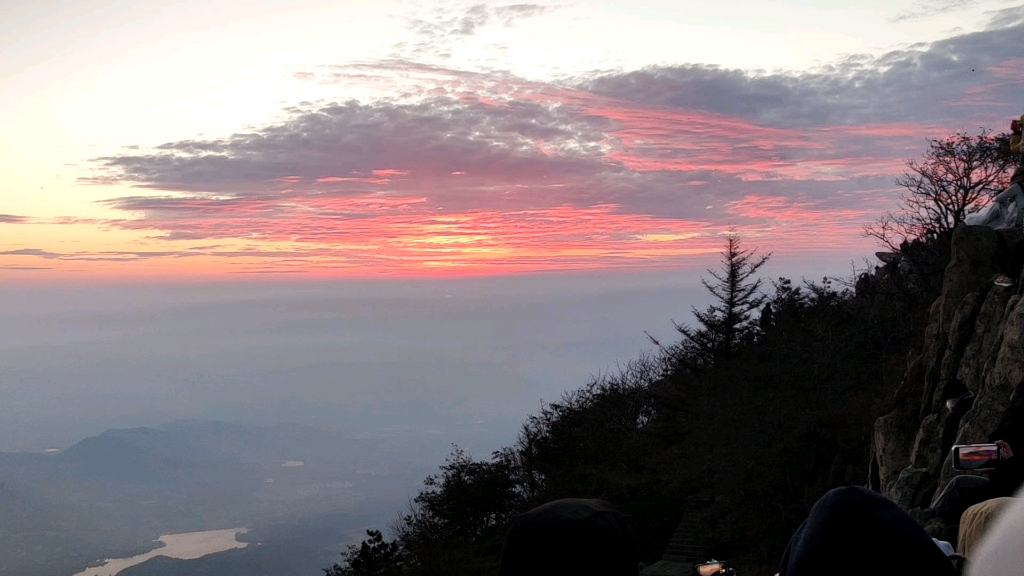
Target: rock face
[{"x": 975, "y": 333}]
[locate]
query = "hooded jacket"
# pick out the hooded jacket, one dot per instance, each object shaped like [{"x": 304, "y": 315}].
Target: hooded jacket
[
  {"x": 569, "y": 536},
  {"x": 1009, "y": 474},
  {"x": 853, "y": 531}
]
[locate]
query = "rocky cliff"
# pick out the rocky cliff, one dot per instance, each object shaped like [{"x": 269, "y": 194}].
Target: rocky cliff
[{"x": 975, "y": 333}]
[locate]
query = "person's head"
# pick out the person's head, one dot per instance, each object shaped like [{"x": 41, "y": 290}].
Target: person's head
[
  {"x": 953, "y": 390},
  {"x": 1018, "y": 175},
  {"x": 570, "y": 536}
]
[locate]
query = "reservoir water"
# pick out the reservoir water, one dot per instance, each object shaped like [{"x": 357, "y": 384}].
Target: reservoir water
[{"x": 185, "y": 546}]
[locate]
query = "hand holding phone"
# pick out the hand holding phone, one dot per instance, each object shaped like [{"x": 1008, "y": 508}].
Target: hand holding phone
[
  {"x": 976, "y": 456},
  {"x": 1005, "y": 452}
]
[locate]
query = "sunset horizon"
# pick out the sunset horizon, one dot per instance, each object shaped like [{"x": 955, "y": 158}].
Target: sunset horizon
[{"x": 451, "y": 156}]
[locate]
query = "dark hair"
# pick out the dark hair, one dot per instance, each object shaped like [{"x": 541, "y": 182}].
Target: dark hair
[
  {"x": 570, "y": 536},
  {"x": 954, "y": 389}
]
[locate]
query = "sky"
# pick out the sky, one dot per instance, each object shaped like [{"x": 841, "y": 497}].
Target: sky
[
  {"x": 170, "y": 141},
  {"x": 281, "y": 210}
]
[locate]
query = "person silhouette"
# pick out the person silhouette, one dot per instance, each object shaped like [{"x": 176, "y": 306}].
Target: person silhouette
[{"x": 569, "y": 536}]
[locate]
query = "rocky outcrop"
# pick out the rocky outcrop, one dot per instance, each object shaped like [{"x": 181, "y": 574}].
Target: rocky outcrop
[
  {"x": 894, "y": 434},
  {"x": 913, "y": 488},
  {"x": 975, "y": 333},
  {"x": 973, "y": 264}
]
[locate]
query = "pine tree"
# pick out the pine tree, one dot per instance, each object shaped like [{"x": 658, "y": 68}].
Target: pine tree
[{"x": 726, "y": 322}]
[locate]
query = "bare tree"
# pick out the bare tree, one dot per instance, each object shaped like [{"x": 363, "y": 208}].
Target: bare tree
[
  {"x": 957, "y": 175},
  {"x": 726, "y": 321}
]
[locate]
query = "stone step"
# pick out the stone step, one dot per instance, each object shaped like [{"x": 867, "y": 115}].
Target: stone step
[{"x": 686, "y": 544}]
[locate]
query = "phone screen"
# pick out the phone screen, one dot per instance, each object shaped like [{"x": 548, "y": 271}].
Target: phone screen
[
  {"x": 709, "y": 569},
  {"x": 975, "y": 456}
]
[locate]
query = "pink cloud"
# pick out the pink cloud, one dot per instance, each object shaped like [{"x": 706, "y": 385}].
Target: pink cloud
[
  {"x": 507, "y": 175},
  {"x": 386, "y": 172},
  {"x": 1009, "y": 69},
  {"x": 332, "y": 179}
]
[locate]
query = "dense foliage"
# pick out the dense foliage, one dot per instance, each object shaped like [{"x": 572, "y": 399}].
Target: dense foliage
[{"x": 746, "y": 444}]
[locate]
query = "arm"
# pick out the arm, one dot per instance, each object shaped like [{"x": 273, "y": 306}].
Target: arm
[
  {"x": 1006, "y": 195},
  {"x": 1009, "y": 474}
]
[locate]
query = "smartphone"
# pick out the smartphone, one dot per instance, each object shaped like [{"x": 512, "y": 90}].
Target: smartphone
[
  {"x": 709, "y": 569},
  {"x": 713, "y": 568},
  {"x": 975, "y": 456}
]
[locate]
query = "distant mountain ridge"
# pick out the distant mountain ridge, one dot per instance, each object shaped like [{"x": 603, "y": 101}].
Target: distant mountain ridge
[{"x": 112, "y": 494}]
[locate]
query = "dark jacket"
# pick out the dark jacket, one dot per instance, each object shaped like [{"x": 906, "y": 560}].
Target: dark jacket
[
  {"x": 952, "y": 424},
  {"x": 1009, "y": 474},
  {"x": 569, "y": 536},
  {"x": 855, "y": 532}
]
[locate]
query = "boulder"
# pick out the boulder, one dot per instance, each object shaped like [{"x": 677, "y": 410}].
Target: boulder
[
  {"x": 931, "y": 359},
  {"x": 980, "y": 353},
  {"x": 913, "y": 488},
  {"x": 893, "y": 440},
  {"x": 921, "y": 515},
  {"x": 961, "y": 331},
  {"x": 1007, "y": 369},
  {"x": 926, "y": 453},
  {"x": 976, "y": 255},
  {"x": 1009, "y": 366},
  {"x": 939, "y": 530}
]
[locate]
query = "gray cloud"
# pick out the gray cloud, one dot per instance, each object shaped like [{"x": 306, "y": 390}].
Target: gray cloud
[
  {"x": 664, "y": 142},
  {"x": 1006, "y": 17},
  {"x": 12, "y": 219},
  {"x": 441, "y": 135},
  {"x": 455, "y": 22},
  {"x": 924, "y": 84},
  {"x": 351, "y": 140},
  {"x": 928, "y": 8},
  {"x": 438, "y": 33},
  {"x": 105, "y": 256}
]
